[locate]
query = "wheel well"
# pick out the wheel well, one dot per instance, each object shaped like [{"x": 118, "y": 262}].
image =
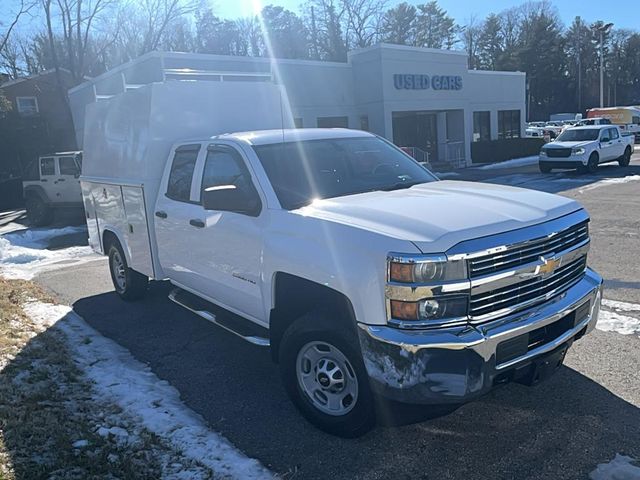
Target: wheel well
[
  {"x": 108, "y": 237},
  {"x": 594, "y": 153},
  {"x": 294, "y": 296},
  {"x": 628, "y": 149},
  {"x": 35, "y": 192}
]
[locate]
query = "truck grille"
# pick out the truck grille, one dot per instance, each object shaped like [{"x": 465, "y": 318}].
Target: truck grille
[
  {"x": 527, "y": 291},
  {"x": 522, "y": 254},
  {"x": 558, "y": 152}
]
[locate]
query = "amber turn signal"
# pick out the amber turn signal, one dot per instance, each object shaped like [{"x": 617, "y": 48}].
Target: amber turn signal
[
  {"x": 404, "y": 310},
  {"x": 401, "y": 272}
]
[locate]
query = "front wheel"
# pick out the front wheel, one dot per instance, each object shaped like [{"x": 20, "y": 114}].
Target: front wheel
[
  {"x": 324, "y": 375},
  {"x": 128, "y": 283},
  {"x": 544, "y": 168},
  {"x": 625, "y": 159},
  {"x": 591, "y": 166}
]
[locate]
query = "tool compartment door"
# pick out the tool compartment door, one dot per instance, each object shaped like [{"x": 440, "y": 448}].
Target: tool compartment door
[{"x": 137, "y": 230}]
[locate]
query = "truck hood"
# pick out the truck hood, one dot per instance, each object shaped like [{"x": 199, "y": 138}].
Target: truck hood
[
  {"x": 568, "y": 144},
  {"x": 436, "y": 216}
]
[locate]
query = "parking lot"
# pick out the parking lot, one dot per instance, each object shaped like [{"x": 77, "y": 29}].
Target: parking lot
[{"x": 563, "y": 428}]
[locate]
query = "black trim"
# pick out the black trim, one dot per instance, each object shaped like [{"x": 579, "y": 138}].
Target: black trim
[{"x": 568, "y": 165}]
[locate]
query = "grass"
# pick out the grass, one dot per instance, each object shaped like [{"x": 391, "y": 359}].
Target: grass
[{"x": 47, "y": 406}]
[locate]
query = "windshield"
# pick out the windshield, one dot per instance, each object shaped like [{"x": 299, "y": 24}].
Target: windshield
[
  {"x": 579, "y": 135},
  {"x": 301, "y": 172}
]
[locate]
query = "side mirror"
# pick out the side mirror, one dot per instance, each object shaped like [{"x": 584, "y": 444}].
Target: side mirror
[{"x": 229, "y": 198}]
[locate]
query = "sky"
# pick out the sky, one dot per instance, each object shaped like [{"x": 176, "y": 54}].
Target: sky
[{"x": 625, "y": 14}]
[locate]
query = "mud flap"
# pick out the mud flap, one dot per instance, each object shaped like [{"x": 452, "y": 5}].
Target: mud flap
[{"x": 544, "y": 366}]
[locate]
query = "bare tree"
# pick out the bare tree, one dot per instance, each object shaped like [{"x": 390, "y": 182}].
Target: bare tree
[
  {"x": 363, "y": 19},
  {"x": 158, "y": 15},
  {"x": 24, "y": 8}
]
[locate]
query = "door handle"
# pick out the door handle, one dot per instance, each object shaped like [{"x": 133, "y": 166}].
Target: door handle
[
  {"x": 61, "y": 179},
  {"x": 196, "y": 223},
  {"x": 43, "y": 179},
  {"x": 161, "y": 214}
]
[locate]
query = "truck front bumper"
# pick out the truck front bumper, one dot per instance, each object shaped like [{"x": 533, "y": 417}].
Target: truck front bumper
[
  {"x": 569, "y": 163},
  {"x": 455, "y": 365}
]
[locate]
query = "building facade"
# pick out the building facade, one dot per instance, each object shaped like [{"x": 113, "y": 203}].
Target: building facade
[
  {"x": 423, "y": 99},
  {"x": 38, "y": 122}
]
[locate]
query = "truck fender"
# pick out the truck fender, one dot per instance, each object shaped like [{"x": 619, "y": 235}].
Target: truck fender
[
  {"x": 293, "y": 296},
  {"x": 109, "y": 234},
  {"x": 36, "y": 190}
]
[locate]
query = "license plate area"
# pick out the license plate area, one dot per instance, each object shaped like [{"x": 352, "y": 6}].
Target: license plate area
[{"x": 522, "y": 344}]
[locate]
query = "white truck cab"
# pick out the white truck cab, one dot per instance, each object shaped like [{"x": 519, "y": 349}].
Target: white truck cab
[
  {"x": 365, "y": 275},
  {"x": 57, "y": 185},
  {"x": 585, "y": 147}
]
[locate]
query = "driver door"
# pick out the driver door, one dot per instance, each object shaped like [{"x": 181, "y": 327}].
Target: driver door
[
  {"x": 69, "y": 180},
  {"x": 227, "y": 245}
]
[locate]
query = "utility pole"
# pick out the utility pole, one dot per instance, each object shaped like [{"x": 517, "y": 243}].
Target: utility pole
[{"x": 602, "y": 30}]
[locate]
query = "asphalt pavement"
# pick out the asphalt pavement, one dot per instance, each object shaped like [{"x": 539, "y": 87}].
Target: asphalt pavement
[{"x": 584, "y": 415}]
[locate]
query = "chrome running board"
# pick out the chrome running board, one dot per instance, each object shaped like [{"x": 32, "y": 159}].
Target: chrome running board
[{"x": 234, "y": 324}]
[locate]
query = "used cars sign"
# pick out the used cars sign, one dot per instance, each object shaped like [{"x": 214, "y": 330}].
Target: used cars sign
[{"x": 403, "y": 81}]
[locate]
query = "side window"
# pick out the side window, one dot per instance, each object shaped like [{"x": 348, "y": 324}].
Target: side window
[
  {"x": 224, "y": 167},
  {"x": 68, "y": 166},
  {"x": 47, "y": 166},
  {"x": 613, "y": 133},
  {"x": 184, "y": 163}
]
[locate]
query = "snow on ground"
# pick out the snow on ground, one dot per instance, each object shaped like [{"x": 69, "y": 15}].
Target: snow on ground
[
  {"x": 119, "y": 378},
  {"x": 516, "y": 162},
  {"x": 590, "y": 182},
  {"x": 447, "y": 174},
  {"x": 620, "y": 468},
  {"x": 616, "y": 317},
  {"x": 24, "y": 254}
]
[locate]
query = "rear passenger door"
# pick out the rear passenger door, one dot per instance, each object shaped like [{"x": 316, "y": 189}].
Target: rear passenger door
[
  {"x": 606, "y": 147},
  {"x": 616, "y": 143},
  {"x": 48, "y": 179},
  {"x": 174, "y": 210}
]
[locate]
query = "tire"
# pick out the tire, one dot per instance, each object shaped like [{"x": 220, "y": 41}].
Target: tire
[
  {"x": 39, "y": 213},
  {"x": 128, "y": 284},
  {"x": 592, "y": 164},
  {"x": 625, "y": 159},
  {"x": 544, "y": 168},
  {"x": 336, "y": 372}
]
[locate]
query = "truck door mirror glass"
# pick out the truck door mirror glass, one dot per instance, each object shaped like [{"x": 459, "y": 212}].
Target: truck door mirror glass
[{"x": 230, "y": 198}]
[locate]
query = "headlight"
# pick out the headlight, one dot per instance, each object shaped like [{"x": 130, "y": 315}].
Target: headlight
[
  {"x": 543, "y": 153},
  {"x": 431, "y": 309},
  {"x": 578, "y": 151},
  {"x": 428, "y": 269}
]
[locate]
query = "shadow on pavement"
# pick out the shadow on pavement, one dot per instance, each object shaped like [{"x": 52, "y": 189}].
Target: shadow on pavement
[{"x": 560, "y": 429}]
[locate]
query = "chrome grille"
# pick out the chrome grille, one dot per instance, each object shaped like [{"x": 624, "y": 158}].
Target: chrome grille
[
  {"x": 521, "y": 254},
  {"x": 527, "y": 292}
]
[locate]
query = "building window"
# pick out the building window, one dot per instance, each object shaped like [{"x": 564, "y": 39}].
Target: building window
[
  {"x": 508, "y": 124},
  {"x": 27, "y": 105},
  {"x": 481, "y": 126},
  {"x": 297, "y": 122},
  {"x": 333, "y": 122},
  {"x": 364, "y": 122}
]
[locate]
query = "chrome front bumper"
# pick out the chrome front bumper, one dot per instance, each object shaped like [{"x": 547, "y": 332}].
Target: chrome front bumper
[{"x": 458, "y": 364}]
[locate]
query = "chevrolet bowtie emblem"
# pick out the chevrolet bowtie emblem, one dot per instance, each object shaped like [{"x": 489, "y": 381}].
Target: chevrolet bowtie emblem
[{"x": 548, "y": 266}]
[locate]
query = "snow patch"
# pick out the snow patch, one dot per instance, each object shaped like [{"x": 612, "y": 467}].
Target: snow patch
[
  {"x": 23, "y": 255},
  {"x": 516, "y": 162},
  {"x": 614, "y": 317},
  {"x": 602, "y": 183},
  {"x": 447, "y": 174},
  {"x": 620, "y": 468},
  {"x": 119, "y": 378}
]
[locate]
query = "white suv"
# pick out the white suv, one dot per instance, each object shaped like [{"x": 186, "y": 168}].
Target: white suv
[{"x": 56, "y": 186}]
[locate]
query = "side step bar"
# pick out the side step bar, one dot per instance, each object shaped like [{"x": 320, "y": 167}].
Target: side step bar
[{"x": 235, "y": 324}]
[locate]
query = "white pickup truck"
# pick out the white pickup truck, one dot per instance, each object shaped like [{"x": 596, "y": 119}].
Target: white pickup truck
[
  {"x": 367, "y": 277},
  {"x": 584, "y": 148}
]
